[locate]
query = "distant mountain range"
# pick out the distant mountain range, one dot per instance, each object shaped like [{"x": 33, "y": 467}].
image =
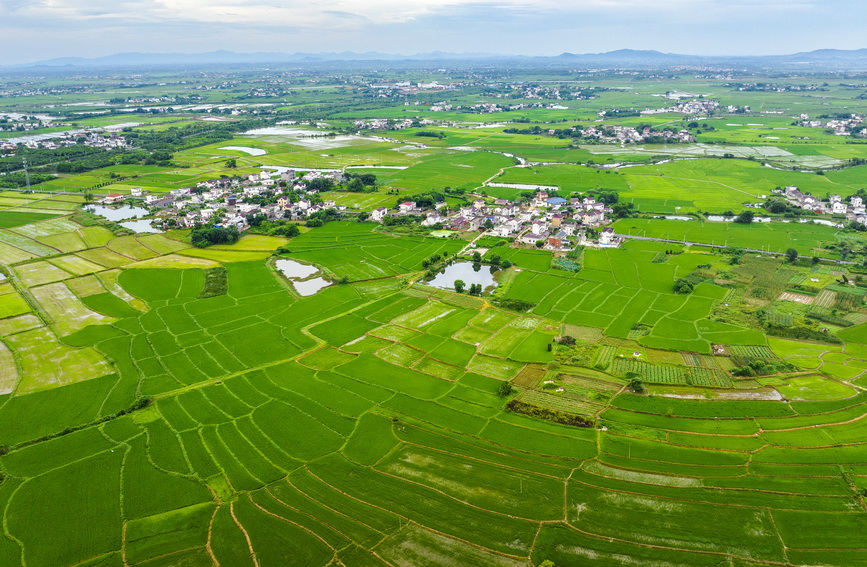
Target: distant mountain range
[{"x": 833, "y": 58}]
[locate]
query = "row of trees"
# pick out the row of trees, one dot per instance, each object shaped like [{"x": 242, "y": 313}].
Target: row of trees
[{"x": 474, "y": 289}]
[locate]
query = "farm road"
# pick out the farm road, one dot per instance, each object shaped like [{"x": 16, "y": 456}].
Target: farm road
[{"x": 688, "y": 243}]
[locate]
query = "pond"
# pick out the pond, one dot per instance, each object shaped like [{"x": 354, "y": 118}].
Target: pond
[
  {"x": 246, "y": 150},
  {"x": 115, "y": 214},
  {"x": 310, "y": 287},
  {"x": 142, "y": 225},
  {"x": 310, "y": 139},
  {"x": 301, "y": 276},
  {"x": 469, "y": 273}
]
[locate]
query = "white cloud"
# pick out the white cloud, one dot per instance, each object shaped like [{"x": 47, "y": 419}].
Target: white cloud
[{"x": 407, "y": 26}]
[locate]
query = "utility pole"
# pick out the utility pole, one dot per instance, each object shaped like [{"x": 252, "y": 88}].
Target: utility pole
[{"x": 26, "y": 174}]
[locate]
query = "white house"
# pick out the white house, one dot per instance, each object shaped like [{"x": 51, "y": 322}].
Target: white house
[
  {"x": 606, "y": 238},
  {"x": 432, "y": 219},
  {"x": 378, "y": 214}
]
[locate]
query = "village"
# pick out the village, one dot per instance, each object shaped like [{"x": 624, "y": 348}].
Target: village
[
  {"x": 544, "y": 221},
  {"x": 107, "y": 141},
  {"x": 842, "y": 125},
  {"x": 853, "y": 207}
]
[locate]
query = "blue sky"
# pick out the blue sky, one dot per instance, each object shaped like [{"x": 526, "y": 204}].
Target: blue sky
[{"x": 40, "y": 29}]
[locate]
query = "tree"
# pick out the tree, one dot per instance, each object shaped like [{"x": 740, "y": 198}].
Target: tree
[
  {"x": 505, "y": 389},
  {"x": 475, "y": 289},
  {"x": 255, "y": 219},
  {"x": 356, "y": 185},
  {"x": 746, "y": 217},
  {"x": 489, "y": 224},
  {"x": 231, "y": 163},
  {"x": 494, "y": 259},
  {"x": 622, "y": 210},
  {"x": 477, "y": 257},
  {"x": 815, "y": 260},
  {"x": 682, "y": 287},
  {"x": 202, "y": 237},
  {"x": 636, "y": 385},
  {"x": 540, "y": 243},
  {"x": 320, "y": 184},
  {"x": 608, "y": 197},
  {"x": 791, "y": 255},
  {"x": 459, "y": 286}
]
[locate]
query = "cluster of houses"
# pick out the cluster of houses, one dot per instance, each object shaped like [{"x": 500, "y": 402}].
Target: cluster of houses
[
  {"x": 389, "y": 124},
  {"x": 854, "y": 210},
  {"x": 106, "y": 141},
  {"x": 692, "y": 107},
  {"x": 840, "y": 126},
  {"x": 23, "y": 124},
  {"x": 230, "y": 202},
  {"x": 697, "y": 107},
  {"x": 628, "y": 134},
  {"x": 555, "y": 221}
]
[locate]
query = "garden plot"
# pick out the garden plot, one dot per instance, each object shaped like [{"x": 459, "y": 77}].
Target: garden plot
[
  {"x": 130, "y": 247},
  {"x": 498, "y": 368},
  {"x": 66, "y": 312},
  {"x": 8, "y": 370},
  {"x": 104, "y": 257},
  {"x": 18, "y": 324},
  {"x": 38, "y": 273},
  {"x": 424, "y": 316},
  {"x": 797, "y": 298},
  {"x": 75, "y": 265},
  {"x": 12, "y": 255},
  {"x": 45, "y": 363},
  {"x": 85, "y": 286},
  {"x": 26, "y": 244},
  {"x": 47, "y": 228},
  {"x": 65, "y": 242},
  {"x": 11, "y": 302},
  {"x": 95, "y": 236}
]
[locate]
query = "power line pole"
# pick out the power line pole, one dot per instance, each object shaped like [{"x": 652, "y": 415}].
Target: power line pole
[{"x": 26, "y": 174}]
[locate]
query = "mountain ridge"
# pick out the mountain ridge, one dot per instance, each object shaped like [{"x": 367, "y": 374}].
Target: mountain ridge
[{"x": 616, "y": 57}]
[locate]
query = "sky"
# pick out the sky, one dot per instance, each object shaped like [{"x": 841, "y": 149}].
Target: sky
[{"x": 34, "y": 30}]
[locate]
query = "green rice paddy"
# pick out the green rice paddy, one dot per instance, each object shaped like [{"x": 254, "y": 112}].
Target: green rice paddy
[{"x": 380, "y": 422}]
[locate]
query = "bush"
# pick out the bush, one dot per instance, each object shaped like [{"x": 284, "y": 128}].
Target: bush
[
  {"x": 682, "y": 287},
  {"x": 513, "y": 304},
  {"x": 517, "y": 406},
  {"x": 216, "y": 282},
  {"x": 505, "y": 389}
]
